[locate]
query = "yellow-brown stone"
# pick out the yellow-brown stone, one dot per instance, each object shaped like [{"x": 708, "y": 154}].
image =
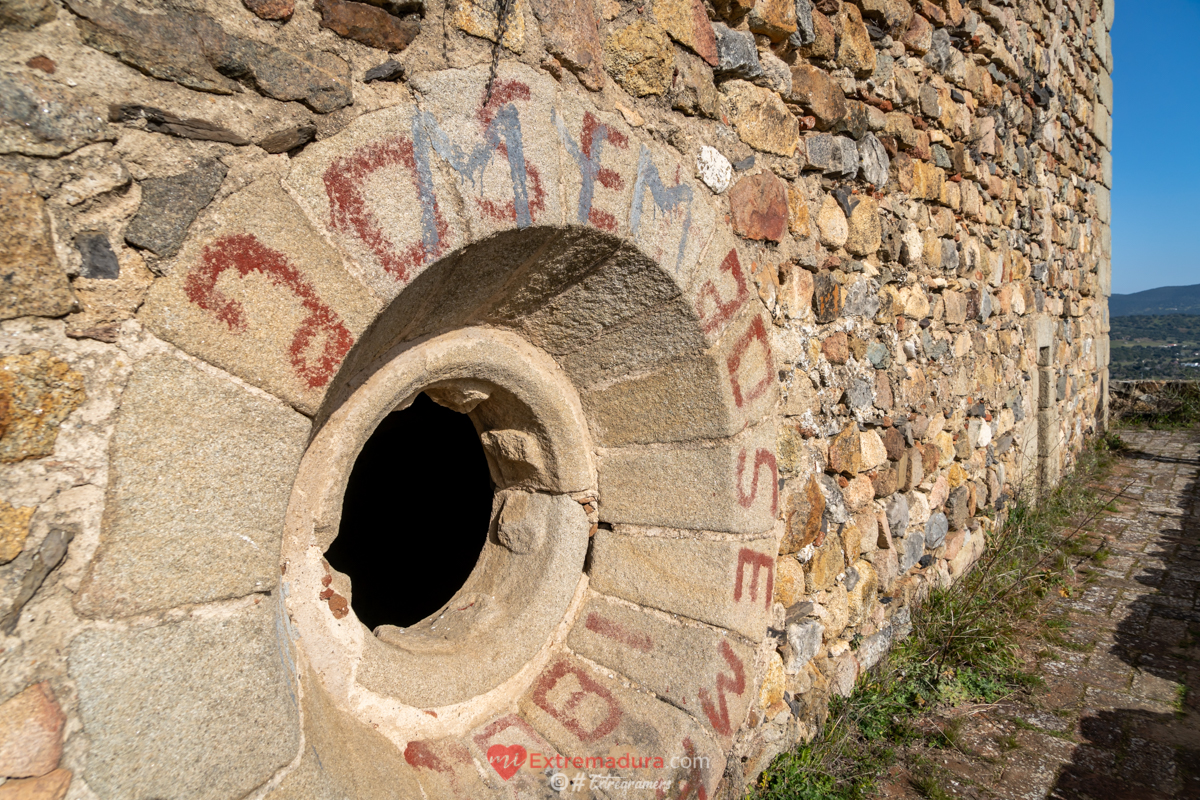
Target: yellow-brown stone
[
  {"x": 37, "y": 392},
  {"x": 14, "y": 529}
]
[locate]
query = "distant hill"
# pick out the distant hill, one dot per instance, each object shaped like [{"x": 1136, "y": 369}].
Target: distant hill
[{"x": 1163, "y": 300}]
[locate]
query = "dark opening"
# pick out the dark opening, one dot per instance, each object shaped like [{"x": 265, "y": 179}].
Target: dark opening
[{"x": 415, "y": 514}]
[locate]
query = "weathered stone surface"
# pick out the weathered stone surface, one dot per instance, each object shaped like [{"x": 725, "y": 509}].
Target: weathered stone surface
[
  {"x": 22, "y": 579},
  {"x": 31, "y": 726},
  {"x": 680, "y": 663},
  {"x": 820, "y": 95},
  {"x": 170, "y": 205},
  {"x": 570, "y": 33},
  {"x": 727, "y": 584},
  {"x": 760, "y": 206},
  {"x": 865, "y": 231},
  {"x": 775, "y": 19},
  {"x": 911, "y": 548},
  {"x": 804, "y": 639},
  {"x": 714, "y": 169},
  {"x": 98, "y": 261},
  {"x": 854, "y": 49},
  {"x": 390, "y": 70},
  {"x": 874, "y": 160},
  {"x": 640, "y": 58},
  {"x": 845, "y": 451},
  {"x": 831, "y": 223},
  {"x": 160, "y": 121},
  {"x": 897, "y": 515},
  {"x": 482, "y": 20},
  {"x": 862, "y": 595},
  {"x": 271, "y": 9},
  {"x": 194, "y": 51},
  {"x": 789, "y": 581},
  {"x": 367, "y": 24},
  {"x": 858, "y": 494},
  {"x": 14, "y": 529},
  {"x": 296, "y": 312},
  {"x": 803, "y": 512},
  {"x": 805, "y": 32},
  {"x": 761, "y": 118},
  {"x": 874, "y": 453},
  {"x": 919, "y": 35},
  {"x": 34, "y": 283},
  {"x": 827, "y": 297},
  {"x": 835, "y": 348},
  {"x": 580, "y": 710},
  {"x": 26, "y": 14},
  {"x": 826, "y": 564},
  {"x": 52, "y": 786},
  {"x": 774, "y": 683},
  {"x": 202, "y": 708},
  {"x": 958, "y": 507},
  {"x": 37, "y": 393},
  {"x": 38, "y": 118},
  {"x": 935, "y": 530},
  {"x": 692, "y": 90},
  {"x": 173, "y": 530},
  {"x": 737, "y": 55},
  {"x": 890, "y": 14},
  {"x": 833, "y": 155},
  {"x": 290, "y": 138},
  {"x": 687, "y": 23}
]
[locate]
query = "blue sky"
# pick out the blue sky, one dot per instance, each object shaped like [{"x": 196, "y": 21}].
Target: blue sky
[{"x": 1156, "y": 145}]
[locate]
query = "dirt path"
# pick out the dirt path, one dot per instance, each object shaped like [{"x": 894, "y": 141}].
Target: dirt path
[{"x": 1119, "y": 714}]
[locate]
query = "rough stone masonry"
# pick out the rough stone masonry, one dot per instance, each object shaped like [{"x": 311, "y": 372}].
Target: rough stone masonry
[{"x": 765, "y": 310}]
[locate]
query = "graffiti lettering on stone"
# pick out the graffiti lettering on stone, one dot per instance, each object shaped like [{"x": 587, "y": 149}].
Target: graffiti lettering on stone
[
  {"x": 718, "y": 713},
  {"x": 667, "y": 200},
  {"x": 322, "y": 339},
  {"x": 347, "y": 176},
  {"x": 754, "y": 362},
  {"x": 606, "y": 627},
  {"x": 577, "y": 702},
  {"x": 754, "y": 562},
  {"x": 710, "y": 308},
  {"x": 693, "y": 786},
  {"x": 586, "y": 155},
  {"x": 345, "y": 186},
  {"x": 762, "y": 458}
]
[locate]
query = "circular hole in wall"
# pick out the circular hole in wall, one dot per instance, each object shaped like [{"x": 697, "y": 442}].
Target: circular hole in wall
[{"x": 414, "y": 516}]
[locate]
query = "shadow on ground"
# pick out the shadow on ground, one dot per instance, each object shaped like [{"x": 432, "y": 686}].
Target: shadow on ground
[{"x": 1144, "y": 741}]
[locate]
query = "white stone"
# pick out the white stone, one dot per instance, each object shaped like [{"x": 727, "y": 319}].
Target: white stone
[{"x": 714, "y": 169}]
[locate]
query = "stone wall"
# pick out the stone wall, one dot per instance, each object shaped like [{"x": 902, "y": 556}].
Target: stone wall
[{"x": 764, "y": 310}]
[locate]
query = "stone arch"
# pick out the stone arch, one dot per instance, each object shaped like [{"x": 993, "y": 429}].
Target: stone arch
[{"x": 541, "y": 265}]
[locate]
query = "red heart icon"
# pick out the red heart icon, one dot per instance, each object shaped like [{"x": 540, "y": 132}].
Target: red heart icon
[{"x": 506, "y": 760}]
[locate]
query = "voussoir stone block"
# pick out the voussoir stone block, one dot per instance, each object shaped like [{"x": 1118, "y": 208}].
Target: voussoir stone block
[
  {"x": 202, "y": 708},
  {"x": 682, "y": 663},
  {"x": 581, "y": 710},
  {"x": 262, "y": 296},
  {"x": 729, "y": 584},
  {"x": 729, "y": 485},
  {"x": 200, "y": 475}
]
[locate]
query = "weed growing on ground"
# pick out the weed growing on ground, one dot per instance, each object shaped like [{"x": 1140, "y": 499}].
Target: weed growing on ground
[
  {"x": 1177, "y": 406},
  {"x": 964, "y": 645}
]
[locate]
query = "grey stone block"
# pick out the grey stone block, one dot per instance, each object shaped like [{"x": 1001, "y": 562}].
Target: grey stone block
[
  {"x": 897, "y": 515},
  {"x": 169, "y": 205},
  {"x": 936, "y": 529},
  {"x": 201, "y": 709},
  {"x": 737, "y": 56},
  {"x": 201, "y": 473}
]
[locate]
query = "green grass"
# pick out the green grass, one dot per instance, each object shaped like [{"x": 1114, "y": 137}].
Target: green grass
[{"x": 964, "y": 647}]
